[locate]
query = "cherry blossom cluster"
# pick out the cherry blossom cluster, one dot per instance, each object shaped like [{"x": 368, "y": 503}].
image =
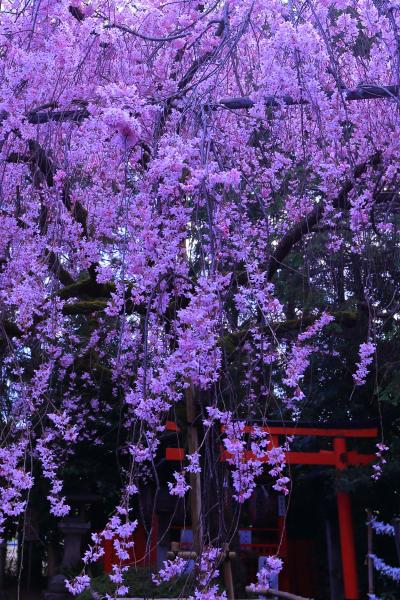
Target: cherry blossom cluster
[
  {"x": 248, "y": 462},
  {"x": 385, "y": 569},
  {"x": 16, "y": 482},
  {"x": 170, "y": 569},
  {"x": 179, "y": 487},
  {"x": 161, "y": 163},
  {"x": 245, "y": 469},
  {"x": 119, "y": 529},
  {"x": 381, "y": 528},
  {"x": 366, "y": 352},
  {"x": 299, "y": 359},
  {"x": 273, "y": 566},
  {"x": 277, "y": 464},
  {"x": 381, "y": 461},
  {"x": 210, "y": 594},
  {"x": 207, "y": 566}
]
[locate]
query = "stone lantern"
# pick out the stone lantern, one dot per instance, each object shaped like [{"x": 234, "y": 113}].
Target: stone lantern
[{"x": 73, "y": 528}]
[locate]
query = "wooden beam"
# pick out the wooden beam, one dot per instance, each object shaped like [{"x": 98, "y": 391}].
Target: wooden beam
[
  {"x": 365, "y": 432},
  {"x": 323, "y": 457},
  {"x": 194, "y": 478}
]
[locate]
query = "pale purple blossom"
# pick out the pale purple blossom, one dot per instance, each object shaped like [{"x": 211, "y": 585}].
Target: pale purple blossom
[
  {"x": 171, "y": 568},
  {"x": 267, "y": 573},
  {"x": 385, "y": 569},
  {"x": 179, "y": 487},
  {"x": 78, "y": 585},
  {"x": 380, "y": 527},
  {"x": 366, "y": 353}
]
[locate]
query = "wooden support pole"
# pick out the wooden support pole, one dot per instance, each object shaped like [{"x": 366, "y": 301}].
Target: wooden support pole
[
  {"x": 194, "y": 478},
  {"x": 349, "y": 563},
  {"x": 396, "y": 526},
  {"x": 227, "y": 570},
  {"x": 195, "y": 492},
  {"x": 369, "y": 560},
  {"x": 348, "y": 552}
]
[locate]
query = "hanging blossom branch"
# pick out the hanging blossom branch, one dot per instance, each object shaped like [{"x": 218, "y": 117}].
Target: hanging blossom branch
[
  {"x": 16, "y": 482},
  {"x": 391, "y": 572},
  {"x": 207, "y": 568},
  {"x": 381, "y": 461},
  {"x": 248, "y": 463},
  {"x": 179, "y": 487},
  {"x": 130, "y": 118},
  {"x": 299, "y": 360},
  {"x": 62, "y": 432},
  {"x": 381, "y": 528},
  {"x": 267, "y": 574},
  {"x": 119, "y": 529},
  {"x": 366, "y": 351},
  {"x": 171, "y": 568}
]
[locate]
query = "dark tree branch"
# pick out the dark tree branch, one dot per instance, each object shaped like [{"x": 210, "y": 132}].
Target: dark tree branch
[
  {"x": 86, "y": 288},
  {"x": 84, "y": 307},
  {"x": 362, "y": 92},
  {"x": 308, "y": 223},
  {"x": 57, "y": 268},
  {"x": 76, "y": 13},
  {"x": 293, "y": 236},
  {"x": 45, "y": 116},
  {"x": 40, "y": 163}
]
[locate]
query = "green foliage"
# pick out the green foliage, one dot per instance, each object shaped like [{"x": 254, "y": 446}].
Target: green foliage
[
  {"x": 140, "y": 584},
  {"x": 389, "y": 390}
]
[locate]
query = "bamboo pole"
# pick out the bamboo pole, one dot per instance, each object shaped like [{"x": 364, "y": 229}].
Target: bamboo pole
[
  {"x": 396, "y": 525},
  {"x": 194, "y": 478},
  {"x": 277, "y": 593},
  {"x": 228, "y": 578},
  {"x": 369, "y": 560}
]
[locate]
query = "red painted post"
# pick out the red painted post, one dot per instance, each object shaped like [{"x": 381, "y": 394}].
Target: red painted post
[
  {"x": 349, "y": 563},
  {"x": 108, "y": 556}
]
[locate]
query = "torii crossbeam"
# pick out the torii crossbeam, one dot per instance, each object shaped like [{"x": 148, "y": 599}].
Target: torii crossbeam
[{"x": 339, "y": 457}]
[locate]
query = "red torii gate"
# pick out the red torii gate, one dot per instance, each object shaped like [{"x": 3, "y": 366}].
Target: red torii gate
[{"x": 339, "y": 457}]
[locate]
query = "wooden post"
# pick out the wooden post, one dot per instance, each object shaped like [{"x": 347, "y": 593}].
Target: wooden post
[
  {"x": 349, "y": 562},
  {"x": 3, "y": 551},
  {"x": 227, "y": 569},
  {"x": 369, "y": 560},
  {"x": 396, "y": 525},
  {"x": 194, "y": 478},
  {"x": 195, "y": 491}
]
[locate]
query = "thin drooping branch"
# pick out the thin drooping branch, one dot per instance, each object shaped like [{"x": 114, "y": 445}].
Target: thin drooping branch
[{"x": 308, "y": 223}]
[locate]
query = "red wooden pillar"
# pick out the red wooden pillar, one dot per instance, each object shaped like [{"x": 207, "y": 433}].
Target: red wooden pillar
[
  {"x": 349, "y": 563},
  {"x": 108, "y": 556}
]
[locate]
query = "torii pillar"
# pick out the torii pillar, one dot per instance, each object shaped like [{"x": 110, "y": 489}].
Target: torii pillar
[{"x": 348, "y": 552}]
